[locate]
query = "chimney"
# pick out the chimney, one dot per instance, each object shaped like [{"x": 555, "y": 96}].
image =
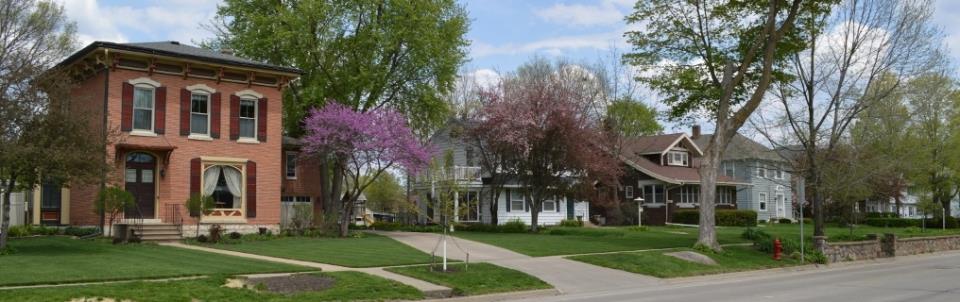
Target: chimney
[
  {"x": 695, "y": 131},
  {"x": 226, "y": 51}
]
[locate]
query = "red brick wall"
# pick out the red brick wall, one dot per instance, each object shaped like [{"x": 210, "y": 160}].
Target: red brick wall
[
  {"x": 87, "y": 101},
  {"x": 308, "y": 177},
  {"x": 174, "y": 187}
]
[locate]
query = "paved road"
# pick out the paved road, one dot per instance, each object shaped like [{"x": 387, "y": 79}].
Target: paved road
[
  {"x": 567, "y": 276},
  {"x": 915, "y": 278}
]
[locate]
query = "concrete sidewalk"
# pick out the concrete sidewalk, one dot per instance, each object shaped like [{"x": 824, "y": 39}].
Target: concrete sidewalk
[
  {"x": 428, "y": 289},
  {"x": 567, "y": 276}
]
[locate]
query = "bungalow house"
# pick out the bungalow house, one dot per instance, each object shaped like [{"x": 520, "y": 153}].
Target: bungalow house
[
  {"x": 908, "y": 205},
  {"x": 473, "y": 193},
  {"x": 662, "y": 175},
  {"x": 187, "y": 121},
  {"x": 768, "y": 182}
]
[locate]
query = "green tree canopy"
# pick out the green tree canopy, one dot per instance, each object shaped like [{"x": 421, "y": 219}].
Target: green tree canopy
[{"x": 631, "y": 118}]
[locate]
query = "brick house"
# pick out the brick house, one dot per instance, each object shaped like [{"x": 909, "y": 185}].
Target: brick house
[
  {"x": 181, "y": 121},
  {"x": 663, "y": 170}
]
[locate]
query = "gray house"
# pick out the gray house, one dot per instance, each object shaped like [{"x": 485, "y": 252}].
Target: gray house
[
  {"x": 769, "y": 191},
  {"x": 473, "y": 195}
]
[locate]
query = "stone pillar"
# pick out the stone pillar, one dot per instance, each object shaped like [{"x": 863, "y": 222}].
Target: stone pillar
[
  {"x": 888, "y": 245},
  {"x": 820, "y": 244}
]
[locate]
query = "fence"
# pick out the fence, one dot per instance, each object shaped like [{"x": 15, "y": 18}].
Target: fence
[{"x": 18, "y": 209}]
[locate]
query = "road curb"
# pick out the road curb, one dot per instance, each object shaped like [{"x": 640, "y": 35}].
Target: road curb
[{"x": 529, "y": 294}]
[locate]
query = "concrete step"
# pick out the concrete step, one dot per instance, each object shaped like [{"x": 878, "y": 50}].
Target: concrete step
[{"x": 161, "y": 238}]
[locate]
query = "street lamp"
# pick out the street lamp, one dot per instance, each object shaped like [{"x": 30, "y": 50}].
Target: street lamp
[{"x": 639, "y": 201}]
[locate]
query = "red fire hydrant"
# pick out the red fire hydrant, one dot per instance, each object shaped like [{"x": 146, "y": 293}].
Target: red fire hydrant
[{"x": 777, "y": 249}]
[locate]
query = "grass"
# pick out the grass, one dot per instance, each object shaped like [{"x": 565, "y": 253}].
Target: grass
[
  {"x": 477, "y": 279},
  {"x": 368, "y": 251},
  {"x": 62, "y": 260},
  {"x": 348, "y": 286},
  {"x": 655, "y": 263},
  {"x": 567, "y": 241},
  {"x": 570, "y": 241}
]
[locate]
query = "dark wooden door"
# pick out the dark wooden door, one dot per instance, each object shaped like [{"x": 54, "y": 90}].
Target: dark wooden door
[{"x": 140, "y": 177}]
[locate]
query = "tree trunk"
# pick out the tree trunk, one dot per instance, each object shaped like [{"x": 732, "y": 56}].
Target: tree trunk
[
  {"x": 708, "y": 191},
  {"x": 346, "y": 215},
  {"x": 494, "y": 203},
  {"x": 5, "y": 219},
  {"x": 534, "y": 217},
  {"x": 325, "y": 204}
]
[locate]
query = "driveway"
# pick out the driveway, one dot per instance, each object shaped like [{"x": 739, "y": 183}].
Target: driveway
[{"x": 567, "y": 276}]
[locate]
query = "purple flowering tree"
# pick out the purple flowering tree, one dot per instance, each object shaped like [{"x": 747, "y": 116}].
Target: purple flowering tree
[{"x": 362, "y": 143}]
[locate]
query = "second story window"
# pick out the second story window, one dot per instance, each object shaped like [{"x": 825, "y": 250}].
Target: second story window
[
  {"x": 200, "y": 113},
  {"x": 291, "y": 165},
  {"x": 248, "y": 118},
  {"x": 761, "y": 171},
  {"x": 676, "y": 158},
  {"x": 469, "y": 154},
  {"x": 729, "y": 169},
  {"x": 143, "y": 106},
  {"x": 779, "y": 173}
]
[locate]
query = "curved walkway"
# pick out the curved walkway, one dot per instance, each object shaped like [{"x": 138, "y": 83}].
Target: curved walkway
[{"x": 565, "y": 275}]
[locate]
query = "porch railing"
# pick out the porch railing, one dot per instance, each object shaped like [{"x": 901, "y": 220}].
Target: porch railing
[{"x": 173, "y": 214}]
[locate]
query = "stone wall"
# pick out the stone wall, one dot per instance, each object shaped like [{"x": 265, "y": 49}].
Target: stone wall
[
  {"x": 883, "y": 247},
  {"x": 190, "y": 230}
]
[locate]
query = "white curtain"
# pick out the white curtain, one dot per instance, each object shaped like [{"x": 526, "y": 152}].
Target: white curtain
[
  {"x": 234, "y": 184},
  {"x": 210, "y": 178}
]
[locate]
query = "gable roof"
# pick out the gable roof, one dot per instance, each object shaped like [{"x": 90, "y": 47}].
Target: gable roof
[
  {"x": 178, "y": 50},
  {"x": 658, "y": 144},
  {"x": 742, "y": 147},
  {"x": 672, "y": 174}
]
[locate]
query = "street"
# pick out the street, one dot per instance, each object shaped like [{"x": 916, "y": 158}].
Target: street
[{"x": 915, "y": 278}]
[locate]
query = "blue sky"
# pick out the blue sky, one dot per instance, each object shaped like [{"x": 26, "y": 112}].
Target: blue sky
[{"x": 503, "y": 33}]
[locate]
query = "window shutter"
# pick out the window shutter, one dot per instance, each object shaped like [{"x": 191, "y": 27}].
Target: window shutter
[
  {"x": 215, "y": 115},
  {"x": 262, "y": 119},
  {"x": 126, "y": 108},
  {"x": 234, "y": 117},
  {"x": 251, "y": 189},
  {"x": 195, "y": 176},
  {"x": 160, "y": 112},
  {"x": 184, "y": 112},
  {"x": 509, "y": 201}
]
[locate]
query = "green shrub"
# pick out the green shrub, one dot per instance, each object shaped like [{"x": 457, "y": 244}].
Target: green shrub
[
  {"x": 571, "y": 223},
  {"x": 638, "y": 229},
  {"x": 936, "y": 222},
  {"x": 741, "y": 218},
  {"x": 19, "y": 231},
  {"x": 686, "y": 216},
  {"x": 514, "y": 226},
  {"x": 397, "y": 226},
  {"x": 762, "y": 221},
  {"x": 892, "y": 222},
  {"x": 80, "y": 232},
  {"x": 882, "y": 215},
  {"x": 816, "y": 257},
  {"x": 785, "y": 221},
  {"x": 807, "y": 221},
  {"x": 848, "y": 237},
  {"x": 753, "y": 234},
  {"x": 562, "y": 231}
]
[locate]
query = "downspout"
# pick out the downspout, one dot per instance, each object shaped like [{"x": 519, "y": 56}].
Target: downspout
[{"x": 103, "y": 133}]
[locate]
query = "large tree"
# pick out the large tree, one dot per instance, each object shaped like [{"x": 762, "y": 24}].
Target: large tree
[
  {"x": 716, "y": 58},
  {"x": 544, "y": 116},
  {"x": 857, "y": 56},
  {"x": 935, "y": 102},
  {"x": 401, "y": 54},
  {"x": 40, "y": 139}
]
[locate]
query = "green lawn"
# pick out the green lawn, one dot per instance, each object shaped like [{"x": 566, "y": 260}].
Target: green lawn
[
  {"x": 368, "y": 251},
  {"x": 586, "y": 240},
  {"x": 569, "y": 241},
  {"x": 655, "y": 263},
  {"x": 348, "y": 286},
  {"x": 477, "y": 279},
  {"x": 63, "y": 260}
]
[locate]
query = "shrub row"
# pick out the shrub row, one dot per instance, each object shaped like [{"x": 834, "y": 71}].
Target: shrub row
[
  {"x": 398, "y": 226},
  {"x": 742, "y": 218},
  {"x": 33, "y": 230},
  {"x": 882, "y": 215},
  {"x": 951, "y": 222},
  {"x": 513, "y": 226}
]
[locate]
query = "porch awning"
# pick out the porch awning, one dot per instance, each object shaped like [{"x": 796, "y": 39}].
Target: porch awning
[{"x": 164, "y": 150}]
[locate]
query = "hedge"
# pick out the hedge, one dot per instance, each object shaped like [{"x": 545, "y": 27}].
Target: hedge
[
  {"x": 892, "y": 222},
  {"x": 742, "y": 218},
  {"x": 882, "y": 215}
]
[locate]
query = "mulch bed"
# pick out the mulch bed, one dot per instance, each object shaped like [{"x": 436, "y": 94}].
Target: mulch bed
[{"x": 294, "y": 283}]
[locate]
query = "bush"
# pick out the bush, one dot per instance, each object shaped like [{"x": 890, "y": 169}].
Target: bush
[
  {"x": 882, "y": 215},
  {"x": 31, "y": 230},
  {"x": 892, "y": 222},
  {"x": 397, "y": 226},
  {"x": 753, "y": 234},
  {"x": 936, "y": 222},
  {"x": 215, "y": 232},
  {"x": 807, "y": 221},
  {"x": 203, "y": 238},
  {"x": 762, "y": 221},
  {"x": 514, "y": 226},
  {"x": 638, "y": 229},
  {"x": 571, "y": 223},
  {"x": 80, "y": 232},
  {"x": 785, "y": 221},
  {"x": 235, "y": 235},
  {"x": 19, "y": 231},
  {"x": 741, "y": 218}
]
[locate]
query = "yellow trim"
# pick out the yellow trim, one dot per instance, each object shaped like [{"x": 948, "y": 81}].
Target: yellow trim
[
  {"x": 228, "y": 160},
  {"x": 64, "y": 205},
  {"x": 36, "y": 205}
]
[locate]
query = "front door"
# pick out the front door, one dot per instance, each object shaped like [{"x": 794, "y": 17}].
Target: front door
[
  {"x": 139, "y": 178},
  {"x": 781, "y": 206}
]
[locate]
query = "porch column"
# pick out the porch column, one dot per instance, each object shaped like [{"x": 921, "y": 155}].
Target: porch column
[{"x": 456, "y": 206}]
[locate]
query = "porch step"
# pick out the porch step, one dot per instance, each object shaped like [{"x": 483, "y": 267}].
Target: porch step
[{"x": 159, "y": 232}]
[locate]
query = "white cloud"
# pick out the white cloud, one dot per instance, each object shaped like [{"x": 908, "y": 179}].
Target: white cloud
[
  {"x": 484, "y": 78},
  {"x": 605, "y": 13},
  {"x": 151, "y": 21},
  {"x": 550, "y": 46}
]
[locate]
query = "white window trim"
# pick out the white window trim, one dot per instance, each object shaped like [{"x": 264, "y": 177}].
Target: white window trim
[
  {"x": 762, "y": 202},
  {"x": 256, "y": 117},
  {"x": 144, "y": 81},
  {"x": 522, "y": 203},
  {"x": 732, "y": 166},
  {"x": 683, "y": 161},
  {"x": 206, "y": 163},
  {"x": 153, "y": 110},
  {"x": 286, "y": 163},
  {"x": 249, "y": 93},
  {"x": 209, "y": 95},
  {"x": 761, "y": 171},
  {"x": 201, "y": 88},
  {"x": 628, "y": 191}
]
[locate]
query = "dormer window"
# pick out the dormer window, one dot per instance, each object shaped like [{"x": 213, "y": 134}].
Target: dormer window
[{"x": 677, "y": 158}]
